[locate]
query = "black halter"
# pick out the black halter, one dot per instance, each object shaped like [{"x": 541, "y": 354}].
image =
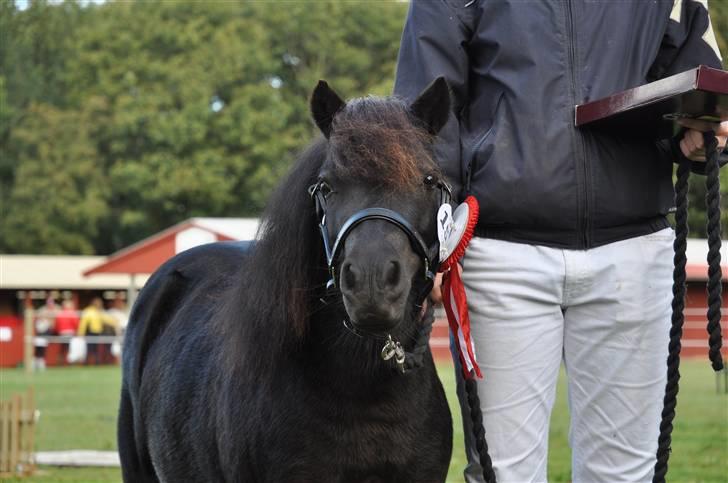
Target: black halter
[
  {"x": 409, "y": 360},
  {"x": 419, "y": 245}
]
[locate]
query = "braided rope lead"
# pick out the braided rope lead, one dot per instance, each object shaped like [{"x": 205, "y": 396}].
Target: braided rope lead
[
  {"x": 476, "y": 416},
  {"x": 678, "y": 318},
  {"x": 416, "y": 358},
  {"x": 712, "y": 201}
]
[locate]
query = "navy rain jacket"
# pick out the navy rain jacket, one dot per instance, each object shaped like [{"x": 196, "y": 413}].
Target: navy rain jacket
[{"x": 517, "y": 69}]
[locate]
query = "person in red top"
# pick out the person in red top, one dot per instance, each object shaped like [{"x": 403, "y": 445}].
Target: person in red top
[{"x": 66, "y": 324}]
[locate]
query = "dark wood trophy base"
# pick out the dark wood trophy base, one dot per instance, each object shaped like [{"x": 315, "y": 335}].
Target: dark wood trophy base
[{"x": 649, "y": 110}]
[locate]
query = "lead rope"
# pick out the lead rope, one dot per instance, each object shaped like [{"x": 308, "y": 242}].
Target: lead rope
[
  {"x": 416, "y": 358},
  {"x": 471, "y": 387},
  {"x": 712, "y": 200},
  {"x": 679, "y": 288}
]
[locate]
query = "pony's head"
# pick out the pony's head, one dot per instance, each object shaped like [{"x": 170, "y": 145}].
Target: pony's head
[{"x": 377, "y": 195}]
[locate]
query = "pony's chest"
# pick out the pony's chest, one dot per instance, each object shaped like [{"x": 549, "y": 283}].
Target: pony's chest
[
  {"x": 352, "y": 432},
  {"x": 300, "y": 431},
  {"x": 357, "y": 453},
  {"x": 350, "y": 443}
]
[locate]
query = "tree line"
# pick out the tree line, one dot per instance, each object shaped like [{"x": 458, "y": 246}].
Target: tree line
[{"x": 120, "y": 119}]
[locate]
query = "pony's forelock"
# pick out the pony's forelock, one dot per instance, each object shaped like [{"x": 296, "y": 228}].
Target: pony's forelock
[{"x": 375, "y": 140}]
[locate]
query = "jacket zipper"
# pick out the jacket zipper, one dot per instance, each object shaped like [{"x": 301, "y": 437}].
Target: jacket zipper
[{"x": 580, "y": 150}]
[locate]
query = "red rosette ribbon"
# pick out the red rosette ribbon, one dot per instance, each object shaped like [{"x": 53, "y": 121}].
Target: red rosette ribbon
[{"x": 454, "y": 299}]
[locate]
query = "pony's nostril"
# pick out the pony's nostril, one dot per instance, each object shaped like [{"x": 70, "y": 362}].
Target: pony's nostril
[
  {"x": 392, "y": 273},
  {"x": 348, "y": 275}
]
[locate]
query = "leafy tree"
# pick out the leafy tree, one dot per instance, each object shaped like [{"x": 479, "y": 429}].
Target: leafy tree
[
  {"x": 172, "y": 109},
  {"x": 719, "y": 19},
  {"x": 118, "y": 120},
  {"x": 58, "y": 196}
]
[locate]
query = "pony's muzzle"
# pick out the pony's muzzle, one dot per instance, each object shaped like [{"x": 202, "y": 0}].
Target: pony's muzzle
[
  {"x": 385, "y": 281},
  {"x": 375, "y": 284}
]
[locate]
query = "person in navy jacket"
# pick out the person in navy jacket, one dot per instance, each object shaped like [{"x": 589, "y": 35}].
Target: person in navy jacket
[{"x": 571, "y": 259}]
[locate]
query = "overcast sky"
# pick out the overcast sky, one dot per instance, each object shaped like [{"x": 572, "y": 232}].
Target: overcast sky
[{"x": 23, "y": 4}]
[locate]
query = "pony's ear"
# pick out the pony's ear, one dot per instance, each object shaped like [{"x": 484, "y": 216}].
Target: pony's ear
[
  {"x": 432, "y": 106},
  {"x": 325, "y": 103}
]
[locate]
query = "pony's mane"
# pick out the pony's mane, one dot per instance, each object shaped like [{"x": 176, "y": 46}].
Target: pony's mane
[
  {"x": 269, "y": 301},
  {"x": 374, "y": 139}
]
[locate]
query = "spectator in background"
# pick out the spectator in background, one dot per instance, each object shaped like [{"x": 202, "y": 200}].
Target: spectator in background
[
  {"x": 111, "y": 328},
  {"x": 66, "y": 325},
  {"x": 119, "y": 312},
  {"x": 92, "y": 323},
  {"x": 44, "y": 323}
]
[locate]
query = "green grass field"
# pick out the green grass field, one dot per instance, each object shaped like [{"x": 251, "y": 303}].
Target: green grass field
[{"x": 78, "y": 411}]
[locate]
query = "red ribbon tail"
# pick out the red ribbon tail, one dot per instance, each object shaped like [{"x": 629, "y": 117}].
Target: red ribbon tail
[{"x": 456, "y": 308}]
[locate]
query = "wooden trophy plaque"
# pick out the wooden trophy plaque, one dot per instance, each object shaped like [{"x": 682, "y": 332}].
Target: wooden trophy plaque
[{"x": 649, "y": 110}]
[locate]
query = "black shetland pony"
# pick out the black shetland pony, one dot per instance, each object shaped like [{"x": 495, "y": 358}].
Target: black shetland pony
[{"x": 241, "y": 364}]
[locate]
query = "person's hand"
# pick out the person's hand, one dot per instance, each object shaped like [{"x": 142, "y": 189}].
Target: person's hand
[
  {"x": 691, "y": 144},
  {"x": 436, "y": 293}
]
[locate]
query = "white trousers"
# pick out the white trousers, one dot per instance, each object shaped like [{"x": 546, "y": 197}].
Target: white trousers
[{"x": 606, "y": 313}]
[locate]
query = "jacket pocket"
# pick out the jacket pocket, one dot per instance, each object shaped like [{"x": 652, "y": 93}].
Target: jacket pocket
[{"x": 472, "y": 165}]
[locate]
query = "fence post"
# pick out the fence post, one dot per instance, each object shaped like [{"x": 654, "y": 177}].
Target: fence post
[
  {"x": 29, "y": 435},
  {"x": 4, "y": 437},
  {"x": 17, "y": 426},
  {"x": 28, "y": 340},
  {"x": 14, "y": 432},
  {"x": 131, "y": 292}
]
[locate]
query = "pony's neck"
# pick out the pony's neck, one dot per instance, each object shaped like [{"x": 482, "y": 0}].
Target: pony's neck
[{"x": 351, "y": 362}]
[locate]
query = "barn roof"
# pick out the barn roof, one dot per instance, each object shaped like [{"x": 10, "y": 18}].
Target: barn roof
[
  {"x": 63, "y": 272},
  {"x": 234, "y": 228},
  {"x": 147, "y": 255}
]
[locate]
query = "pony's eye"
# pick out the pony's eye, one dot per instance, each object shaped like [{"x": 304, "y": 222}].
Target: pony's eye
[{"x": 429, "y": 180}]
